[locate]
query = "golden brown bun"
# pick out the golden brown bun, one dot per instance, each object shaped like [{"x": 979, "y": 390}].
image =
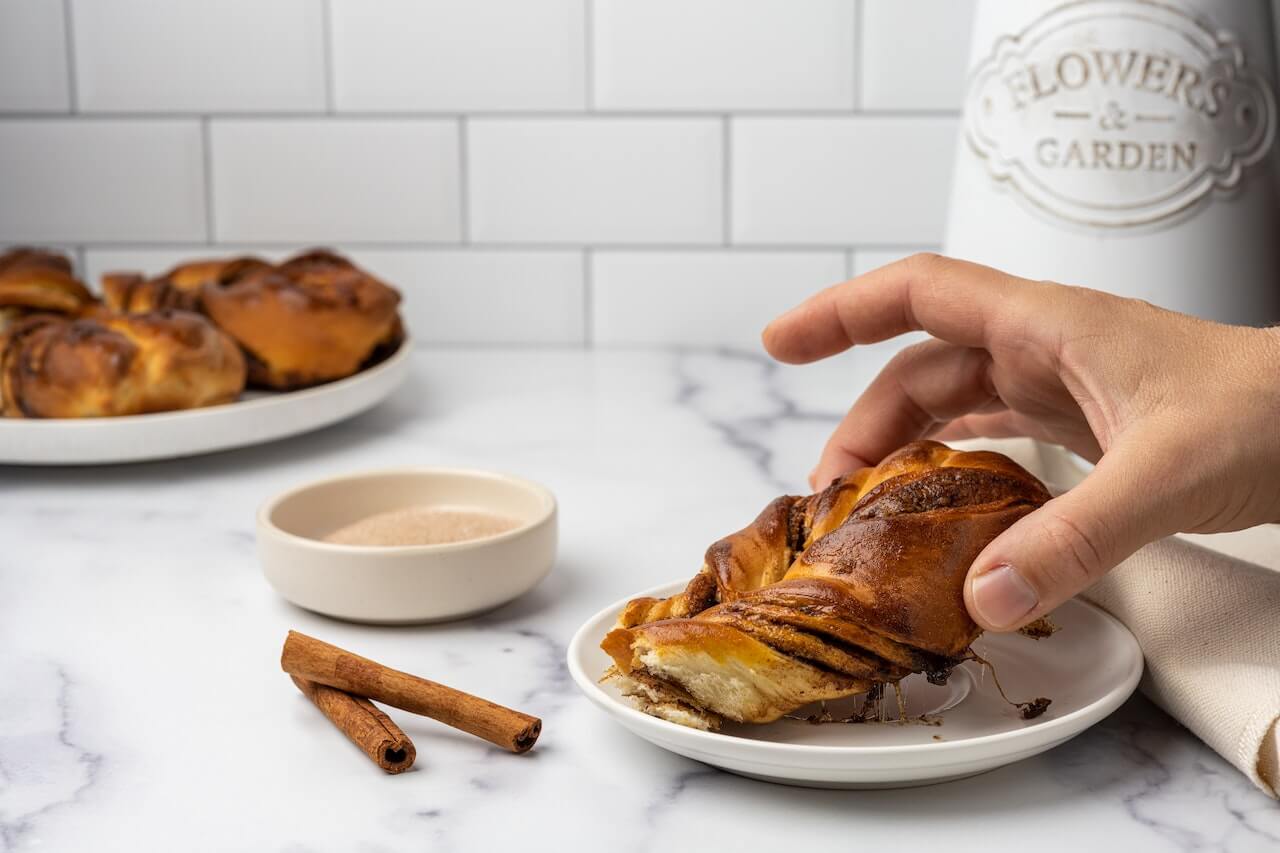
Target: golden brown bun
[
  {"x": 115, "y": 364},
  {"x": 315, "y": 318},
  {"x": 822, "y": 597},
  {"x": 40, "y": 280},
  {"x": 312, "y": 319}
]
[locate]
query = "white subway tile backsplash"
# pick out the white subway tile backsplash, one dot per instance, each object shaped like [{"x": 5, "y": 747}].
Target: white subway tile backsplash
[
  {"x": 192, "y": 56},
  {"x": 485, "y": 297},
  {"x": 461, "y": 296},
  {"x": 315, "y": 180},
  {"x": 915, "y": 53},
  {"x": 724, "y": 54},
  {"x": 459, "y": 54},
  {"x": 701, "y": 298},
  {"x": 595, "y": 181},
  {"x": 841, "y": 181},
  {"x": 33, "y": 57},
  {"x": 97, "y": 180},
  {"x": 711, "y": 162}
]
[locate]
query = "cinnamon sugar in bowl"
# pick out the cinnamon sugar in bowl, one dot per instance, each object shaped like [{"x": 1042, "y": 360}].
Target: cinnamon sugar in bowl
[
  {"x": 423, "y": 525},
  {"x": 409, "y": 545}
]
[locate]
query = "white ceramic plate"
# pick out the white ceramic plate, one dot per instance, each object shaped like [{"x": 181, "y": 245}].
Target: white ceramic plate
[
  {"x": 1088, "y": 669},
  {"x": 255, "y": 419}
]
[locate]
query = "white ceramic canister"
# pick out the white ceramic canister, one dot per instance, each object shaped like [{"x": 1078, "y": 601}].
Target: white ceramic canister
[{"x": 1125, "y": 145}]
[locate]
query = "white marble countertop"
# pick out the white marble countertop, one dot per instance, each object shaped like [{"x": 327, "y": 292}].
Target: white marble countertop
[{"x": 142, "y": 706}]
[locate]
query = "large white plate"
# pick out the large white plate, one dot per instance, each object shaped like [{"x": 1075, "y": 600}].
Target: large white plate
[
  {"x": 253, "y": 420},
  {"x": 1088, "y": 669}
]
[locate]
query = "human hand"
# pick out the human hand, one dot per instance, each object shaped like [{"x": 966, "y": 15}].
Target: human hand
[{"x": 1181, "y": 415}]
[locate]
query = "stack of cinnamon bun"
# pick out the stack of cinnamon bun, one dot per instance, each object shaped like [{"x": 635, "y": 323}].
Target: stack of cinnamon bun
[{"x": 195, "y": 336}]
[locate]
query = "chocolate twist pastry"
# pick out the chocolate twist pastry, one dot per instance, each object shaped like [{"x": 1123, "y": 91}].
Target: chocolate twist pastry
[
  {"x": 115, "y": 364},
  {"x": 825, "y": 596},
  {"x": 315, "y": 318}
]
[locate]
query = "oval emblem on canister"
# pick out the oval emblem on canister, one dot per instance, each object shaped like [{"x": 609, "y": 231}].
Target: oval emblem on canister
[{"x": 1116, "y": 113}]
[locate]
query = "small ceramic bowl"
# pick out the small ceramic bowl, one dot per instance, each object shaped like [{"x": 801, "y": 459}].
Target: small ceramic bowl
[{"x": 405, "y": 583}]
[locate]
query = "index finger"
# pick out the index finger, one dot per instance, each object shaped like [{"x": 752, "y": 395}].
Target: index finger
[{"x": 953, "y": 300}]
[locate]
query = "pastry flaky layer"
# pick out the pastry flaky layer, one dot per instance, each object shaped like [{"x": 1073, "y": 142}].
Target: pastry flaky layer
[{"x": 823, "y": 596}]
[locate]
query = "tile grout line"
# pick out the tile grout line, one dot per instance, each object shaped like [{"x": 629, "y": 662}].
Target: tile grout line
[
  {"x": 326, "y": 28},
  {"x": 859, "y": 41},
  {"x": 726, "y": 176},
  {"x": 206, "y": 135},
  {"x": 529, "y": 115},
  {"x": 848, "y": 263},
  {"x": 589, "y": 55},
  {"x": 508, "y": 246},
  {"x": 464, "y": 183},
  {"x": 588, "y": 301},
  {"x": 69, "y": 39}
]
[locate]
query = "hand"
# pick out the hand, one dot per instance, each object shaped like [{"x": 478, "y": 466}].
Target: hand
[{"x": 1181, "y": 415}]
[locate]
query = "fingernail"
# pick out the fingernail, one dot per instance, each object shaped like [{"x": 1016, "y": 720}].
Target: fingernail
[{"x": 1003, "y": 597}]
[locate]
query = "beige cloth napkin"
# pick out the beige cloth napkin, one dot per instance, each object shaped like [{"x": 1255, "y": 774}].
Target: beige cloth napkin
[{"x": 1206, "y": 611}]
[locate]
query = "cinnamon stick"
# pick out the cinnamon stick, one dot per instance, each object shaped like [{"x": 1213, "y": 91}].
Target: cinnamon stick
[
  {"x": 315, "y": 660},
  {"x": 361, "y": 721}
]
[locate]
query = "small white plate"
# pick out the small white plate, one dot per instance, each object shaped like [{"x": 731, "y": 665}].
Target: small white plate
[
  {"x": 258, "y": 418},
  {"x": 1089, "y": 668}
]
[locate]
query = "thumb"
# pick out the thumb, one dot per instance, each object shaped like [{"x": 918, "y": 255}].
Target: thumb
[{"x": 1064, "y": 546}]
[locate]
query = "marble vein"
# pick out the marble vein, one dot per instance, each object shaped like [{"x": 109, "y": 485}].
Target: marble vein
[
  {"x": 45, "y": 758},
  {"x": 748, "y": 410}
]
